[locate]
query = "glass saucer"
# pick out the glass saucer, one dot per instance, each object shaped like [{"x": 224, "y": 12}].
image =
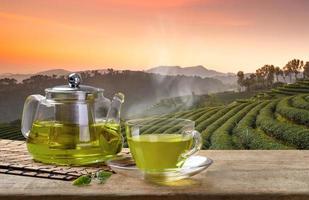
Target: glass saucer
[{"x": 125, "y": 165}]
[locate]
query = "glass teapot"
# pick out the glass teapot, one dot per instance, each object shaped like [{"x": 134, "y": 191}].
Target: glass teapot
[{"x": 73, "y": 124}]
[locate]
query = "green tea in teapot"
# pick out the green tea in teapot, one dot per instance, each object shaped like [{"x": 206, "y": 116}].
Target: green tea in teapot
[{"x": 58, "y": 143}]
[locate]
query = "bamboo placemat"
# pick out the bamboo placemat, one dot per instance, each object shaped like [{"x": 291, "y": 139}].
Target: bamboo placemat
[{"x": 15, "y": 159}]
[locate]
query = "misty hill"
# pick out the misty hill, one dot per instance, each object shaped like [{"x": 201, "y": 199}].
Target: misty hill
[
  {"x": 18, "y": 77},
  {"x": 141, "y": 89},
  {"x": 58, "y": 72},
  {"x": 229, "y": 79},
  {"x": 21, "y": 77},
  {"x": 226, "y": 78},
  {"x": 198, "y": 70}
]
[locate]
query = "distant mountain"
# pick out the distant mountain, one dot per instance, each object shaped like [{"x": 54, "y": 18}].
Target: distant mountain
[
  {"x": 21, "y": 77},
  {"x": 58, "y": 72},
  {"x": 201, "y": 71},
  {"x": 198, "y": 70},
  {"x": 18, "y": 77}
]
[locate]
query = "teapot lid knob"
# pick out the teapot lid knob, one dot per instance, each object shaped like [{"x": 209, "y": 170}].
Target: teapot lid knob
[{"x": 74, "y": 80}]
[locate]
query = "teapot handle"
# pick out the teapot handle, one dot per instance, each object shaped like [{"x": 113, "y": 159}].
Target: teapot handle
[{"x": 29, "y": 111}]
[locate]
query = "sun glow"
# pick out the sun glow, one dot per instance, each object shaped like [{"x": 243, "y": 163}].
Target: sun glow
[{"x": 222, "y": 35}]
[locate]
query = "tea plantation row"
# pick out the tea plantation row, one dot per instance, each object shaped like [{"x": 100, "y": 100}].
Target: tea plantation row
[
  {"x": 278, "y": 119},
  {"x": 10, "y": 132}
]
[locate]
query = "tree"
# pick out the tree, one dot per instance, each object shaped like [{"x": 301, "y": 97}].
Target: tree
[
  {"x": 287, "y": 70},
  {"x": 110, "y": 71},
  {"x": 293, "y": 67},
  {"x": 37, "y": 79},
  {"x": 283, "y": 76},
  {"x": 252, "y": 80},
  {"x": 270, "y": 71},
  {"x": 301, "y": 66},
  {"x": 296, "y": 66},
  {"x": 8, "y": 82},
  {"x": 260, "y": 77},
  {"x": 240, "y": 78},
  {"x": 246, "y": 84},
  {"x": 306, "y": 70},
  {"x": 278, "y": 72},
  {"x": 264, "y": 77},
  {"x": 96, "y": 73}
]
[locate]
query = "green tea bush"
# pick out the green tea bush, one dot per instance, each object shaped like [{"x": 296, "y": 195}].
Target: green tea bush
[
  {"x": 300, "y": 102},
  {"x": 167, "y": 128},
  {"x": 277, "y": 91},
  {"x": 11, "y": 132},
  {"x": 207, "y": 115},
  {"x": 213, "y": 124},
  {"x": 202, "y": 124},
  {"x": 182, "y": 113},
  {"x": 221, "y": 137},
  {"x": 292, "y": 134},
  {"x": 195, "y": 116},
  {"x": 247, "y": 137},
  {"x": 298, "y": 86},
  {"x": 300, "y": 116},
  {"x": 295, "y": 90},
  {"x": 161, "y": 124}
]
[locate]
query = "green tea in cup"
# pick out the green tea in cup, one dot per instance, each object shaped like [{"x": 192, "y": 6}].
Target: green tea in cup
[{"x": 159, "y": 145}]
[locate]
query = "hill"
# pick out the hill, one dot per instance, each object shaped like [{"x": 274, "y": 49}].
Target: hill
[
  {"x": 187, "y": 71},
  {"x": 201, "y": 71},
  {"x": 225, "y": 78},
  {"x": 141, "y": 89},
  {"x": 57, "y": 72},
  {"x": 21, "y": 77},
  {"x": 277, "y": 119},
  {"x": 18, "y": 77}
]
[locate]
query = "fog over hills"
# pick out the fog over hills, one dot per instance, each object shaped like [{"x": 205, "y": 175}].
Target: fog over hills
[
  {"x": 58, "y": 72},
  {"x": 21, "y": 77},
  {"x": 141, "y": 89},
  {"x": 199, "y": 70}
]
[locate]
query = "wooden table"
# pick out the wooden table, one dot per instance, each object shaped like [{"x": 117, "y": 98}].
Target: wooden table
[{"x": 235, "y": 174}]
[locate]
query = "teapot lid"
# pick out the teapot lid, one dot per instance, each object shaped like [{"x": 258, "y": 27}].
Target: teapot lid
[{"x": 73, "y": 91}]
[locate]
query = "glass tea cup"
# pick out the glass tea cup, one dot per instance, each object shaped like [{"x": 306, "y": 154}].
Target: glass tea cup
[{"x": 162, "y": 145}]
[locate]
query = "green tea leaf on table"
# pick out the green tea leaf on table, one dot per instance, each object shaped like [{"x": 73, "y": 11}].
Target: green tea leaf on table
[
  {"x": 102, "y": 176},
  {"x": 82, "y": 180}
]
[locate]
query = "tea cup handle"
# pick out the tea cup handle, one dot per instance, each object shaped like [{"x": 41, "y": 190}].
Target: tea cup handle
[{"x": 197, "y": 143}]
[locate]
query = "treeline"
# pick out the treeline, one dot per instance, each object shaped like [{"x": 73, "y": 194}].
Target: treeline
[{"x": 266, "y": 76}]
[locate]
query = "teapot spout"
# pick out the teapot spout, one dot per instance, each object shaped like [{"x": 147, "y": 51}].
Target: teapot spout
[{"x": 113, "y": 114}]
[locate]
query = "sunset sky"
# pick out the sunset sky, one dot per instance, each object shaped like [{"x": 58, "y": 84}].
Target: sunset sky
[{"x": 225, "y": 35}]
